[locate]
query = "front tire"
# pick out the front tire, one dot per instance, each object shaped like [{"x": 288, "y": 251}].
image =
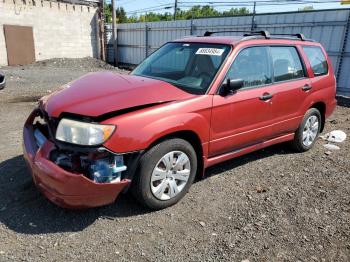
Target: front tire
[
  {"x": 308, "y": 131},
  {"x": 165, "y": 173}
]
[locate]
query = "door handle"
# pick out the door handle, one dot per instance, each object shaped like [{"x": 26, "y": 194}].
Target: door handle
[
  {"x": 266, "y": 96},
  {"x": 306, "y": 87}
]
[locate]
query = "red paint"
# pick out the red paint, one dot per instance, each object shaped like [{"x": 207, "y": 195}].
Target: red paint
[
  {"x": 227, "y": 126},
  {"x": 239, "y": 152},
  {"x": 98, "y": 93},
  {"x": 59, "y": 186}
]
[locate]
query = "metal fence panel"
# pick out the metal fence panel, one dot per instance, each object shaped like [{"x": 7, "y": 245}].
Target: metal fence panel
[{"x": 329, "y": 27}]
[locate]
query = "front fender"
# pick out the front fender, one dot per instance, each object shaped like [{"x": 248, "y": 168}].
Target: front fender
[
  {"x": 184, "y": 122},
  {"x": 139, "y": 132}
]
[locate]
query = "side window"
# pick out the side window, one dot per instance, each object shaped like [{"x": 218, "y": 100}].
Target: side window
[
  {"x": 286, "y": 63},
  {"x": 252, "y": 66},
  {"x": 317, "y": 60}
]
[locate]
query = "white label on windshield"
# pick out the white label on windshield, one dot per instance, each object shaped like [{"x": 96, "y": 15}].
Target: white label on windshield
[{"x": 210, "y": 51}]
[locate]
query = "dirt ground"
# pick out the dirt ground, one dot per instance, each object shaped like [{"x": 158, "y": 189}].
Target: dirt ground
[{"x": 271, "y": 205}]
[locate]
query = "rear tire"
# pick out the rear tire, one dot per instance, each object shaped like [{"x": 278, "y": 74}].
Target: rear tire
[
  {"x": 308, "y": 131},
  {"x": 165, "y": 174}
]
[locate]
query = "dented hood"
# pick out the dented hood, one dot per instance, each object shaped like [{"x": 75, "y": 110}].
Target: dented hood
[{"x": 96, "y": 94}]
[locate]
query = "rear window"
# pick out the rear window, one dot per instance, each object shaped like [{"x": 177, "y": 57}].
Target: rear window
[
  {"x": 317, "y": 60},
  {"x": 286, "y": 63}
]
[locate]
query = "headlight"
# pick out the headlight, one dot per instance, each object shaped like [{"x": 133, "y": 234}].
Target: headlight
[{"x": 82, "y": 133}]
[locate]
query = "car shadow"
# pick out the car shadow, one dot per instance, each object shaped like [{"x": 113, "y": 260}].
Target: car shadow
[
  {"x": 24, "y": 210},
  {"x": 343, "y": 101}
]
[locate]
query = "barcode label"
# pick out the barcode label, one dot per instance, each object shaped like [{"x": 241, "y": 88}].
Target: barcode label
[{"x": 210, "y": 51}]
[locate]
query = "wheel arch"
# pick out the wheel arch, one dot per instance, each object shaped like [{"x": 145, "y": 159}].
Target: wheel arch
[
  {"x": 191, "y": 137},
  {"x": 321, "y": 107}
]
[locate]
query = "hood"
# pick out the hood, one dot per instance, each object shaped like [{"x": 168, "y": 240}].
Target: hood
[{"x": 100, "y": 93}]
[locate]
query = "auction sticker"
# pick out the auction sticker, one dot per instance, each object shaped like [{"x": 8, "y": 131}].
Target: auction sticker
[{"x": 210, "y": 51}]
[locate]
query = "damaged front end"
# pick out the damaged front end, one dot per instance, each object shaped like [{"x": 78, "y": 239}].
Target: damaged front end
[
  {"x": 100, "y": 167},
  {"x": 74, "y": 176}
]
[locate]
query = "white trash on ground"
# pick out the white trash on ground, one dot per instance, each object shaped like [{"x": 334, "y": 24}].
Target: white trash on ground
[
  {"x": 331, "y": 147},
  {"x": 336, "y": 136}
]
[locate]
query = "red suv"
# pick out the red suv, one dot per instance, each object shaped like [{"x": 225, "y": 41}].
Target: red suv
[{"x": 193, "y": 103}]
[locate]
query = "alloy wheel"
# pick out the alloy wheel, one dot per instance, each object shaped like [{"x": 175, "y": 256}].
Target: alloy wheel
[{"x": 310, "y": 130}]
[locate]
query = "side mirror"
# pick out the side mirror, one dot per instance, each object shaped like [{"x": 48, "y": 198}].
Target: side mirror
[
  {"x": 2, "y": 81},
  {"x": 230, "y": 86}
]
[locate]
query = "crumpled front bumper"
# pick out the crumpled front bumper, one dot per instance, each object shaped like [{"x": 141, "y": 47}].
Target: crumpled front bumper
[{"x": 68, "y": 190}]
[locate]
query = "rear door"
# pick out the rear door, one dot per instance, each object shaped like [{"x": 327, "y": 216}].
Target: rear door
[
  {"x": 291, "y": 88},
  {"x": 244, "y": 117}
]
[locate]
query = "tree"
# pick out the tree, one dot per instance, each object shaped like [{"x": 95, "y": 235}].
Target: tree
[
  {"x": 196, "y": 11},
  {"x": 107, "y": 12},
  {"x": 306, "y": 8},
  {"x": 155, "y": 17},
  {"x": 236, "y": 11},
  {"x": 121, "y": 15}
]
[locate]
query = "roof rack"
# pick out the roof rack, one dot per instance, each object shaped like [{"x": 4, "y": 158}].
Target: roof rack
[
  {"x": 265, "y": 34},
  {"x": 300, "y": 36}
]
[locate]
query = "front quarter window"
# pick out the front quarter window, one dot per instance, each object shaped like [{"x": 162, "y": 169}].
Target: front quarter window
[{"x": 189, "y": 66}]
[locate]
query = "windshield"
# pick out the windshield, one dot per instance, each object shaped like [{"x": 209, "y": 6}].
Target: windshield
[{"x": 189, "y": 66}]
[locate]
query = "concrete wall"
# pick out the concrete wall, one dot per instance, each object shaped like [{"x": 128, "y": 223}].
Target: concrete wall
[{"x": 60, "y": 29}]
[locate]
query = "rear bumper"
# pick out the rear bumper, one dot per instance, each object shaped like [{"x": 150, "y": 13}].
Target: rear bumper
[{"x": 65, "y": 189}]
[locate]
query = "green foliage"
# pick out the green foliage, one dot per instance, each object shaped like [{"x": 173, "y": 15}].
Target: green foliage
[
  {"x": 194, "y": 12},
  {"x": 154, "y": 17},
  {"x": 306, "y": 8},
  {"x": 108, "y": 12},
  {"x": 197, "y": 11},
  {"x": 236, "y": 11},
  {"x": 120, "y": 14}
]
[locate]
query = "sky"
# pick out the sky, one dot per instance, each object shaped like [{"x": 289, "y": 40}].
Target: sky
[{"x": 132, "y": 5}]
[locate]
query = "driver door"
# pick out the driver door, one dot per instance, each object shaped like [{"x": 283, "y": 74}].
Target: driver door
[{"x": 244, "y": 118}]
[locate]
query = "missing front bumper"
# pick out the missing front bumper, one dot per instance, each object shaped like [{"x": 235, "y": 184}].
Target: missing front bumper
[{"x": 62, "y": 187}]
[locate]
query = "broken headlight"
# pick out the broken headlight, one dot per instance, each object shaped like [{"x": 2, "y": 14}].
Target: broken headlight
[{"x": 82, "y": 133}]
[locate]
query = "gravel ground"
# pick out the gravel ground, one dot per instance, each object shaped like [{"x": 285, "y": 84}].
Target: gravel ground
[{"x": 271, "y": 205}]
